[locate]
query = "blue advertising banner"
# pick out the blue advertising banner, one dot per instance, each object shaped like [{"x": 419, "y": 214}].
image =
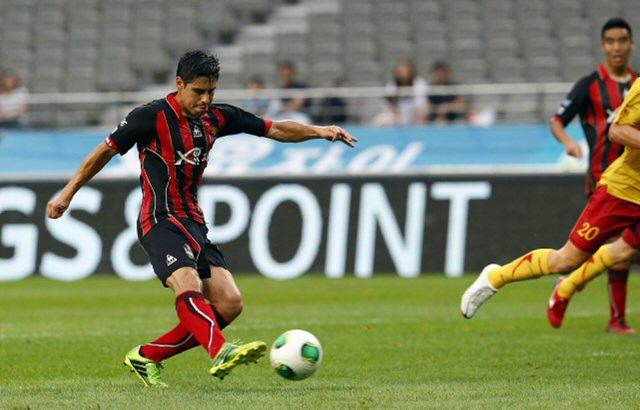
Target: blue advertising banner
[{"x": 397, "y": 150}]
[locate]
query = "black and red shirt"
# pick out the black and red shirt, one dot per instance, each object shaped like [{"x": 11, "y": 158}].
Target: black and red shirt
[
  {"x": 595, "y": 98},
  {"x": 174, "y": 151}
]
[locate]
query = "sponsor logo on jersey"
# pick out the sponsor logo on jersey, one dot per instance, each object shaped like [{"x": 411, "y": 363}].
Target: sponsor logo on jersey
[
  {"x": 171, "y": 260},
  {"x": 612, "y": 115},
  {"x": 194, "y": 157}
]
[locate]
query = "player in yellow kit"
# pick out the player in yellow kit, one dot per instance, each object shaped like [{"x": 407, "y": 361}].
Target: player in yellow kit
[{"x": 612, "y": 209}]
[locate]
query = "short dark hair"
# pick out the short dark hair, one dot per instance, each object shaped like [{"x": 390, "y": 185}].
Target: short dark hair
[
  {"x": 616, "y": 22},
  {"x": 198, "y": 63}
]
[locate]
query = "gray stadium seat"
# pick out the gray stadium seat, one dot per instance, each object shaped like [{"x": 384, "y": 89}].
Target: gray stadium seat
[
  {"x": 81, "y": 37},
  {"x": 358, "y": 7},
  {"x": 483, "y": 40},
  {"x": 80, "y": 79},
  {"x": 426, "y": 8},
  {"x": 461, "y": 10},
  {"x": 507, "y": 70},
  {"x": 471, "y": 71},
  {"x": 505, "y": 28},
  {"x": 324, "y": 73},
  {"x": 544, "y": 68},
  {"x": 502, "y": 47},
  {"x": 466, "y": 48}
]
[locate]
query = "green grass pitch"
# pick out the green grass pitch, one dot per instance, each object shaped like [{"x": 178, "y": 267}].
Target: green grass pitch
[{"x": 388, "y": 343}]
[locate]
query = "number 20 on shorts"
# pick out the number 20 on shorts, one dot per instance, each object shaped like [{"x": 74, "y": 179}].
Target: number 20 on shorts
[{"x": 588, "y": 232}]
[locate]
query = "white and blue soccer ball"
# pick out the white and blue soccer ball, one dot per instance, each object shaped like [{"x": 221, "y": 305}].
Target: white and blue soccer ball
[{"x": 296, "y": 354}]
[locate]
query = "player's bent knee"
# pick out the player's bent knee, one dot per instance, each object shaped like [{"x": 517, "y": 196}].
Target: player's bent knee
[
  {"x": 232, "y": 305},
  {"x": 236, "y": 309}
]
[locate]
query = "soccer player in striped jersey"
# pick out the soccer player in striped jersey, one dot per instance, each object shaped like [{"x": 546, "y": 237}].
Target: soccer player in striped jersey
[
  {"x": 173, "y": 136},
  {"x": 595, "y": 98},
  {"x": 614, "y": 208}
]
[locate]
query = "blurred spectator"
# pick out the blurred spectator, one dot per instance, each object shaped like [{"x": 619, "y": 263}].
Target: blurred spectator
[
  {"x": 13, "y": 101},
  {"x": 404, "y": 109},
  {"x": 333, "y": 110},
  {"x": 292, "y": 108},
  {"x": 259, "y": 104},
  {"x": 444, "y": 108}
]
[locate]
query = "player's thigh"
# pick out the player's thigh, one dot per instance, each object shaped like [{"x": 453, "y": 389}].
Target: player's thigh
[
  {"x": 183, "y": 280},
  {"x": 221, "y": 287},
  {"x": 169, "y": 249}
]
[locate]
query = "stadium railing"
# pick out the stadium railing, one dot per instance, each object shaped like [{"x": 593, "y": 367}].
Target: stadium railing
[{"x": 504, "y": 102}]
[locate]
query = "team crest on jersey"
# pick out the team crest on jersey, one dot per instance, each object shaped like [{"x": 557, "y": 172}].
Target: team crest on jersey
[{"x": 189, "y": 251}]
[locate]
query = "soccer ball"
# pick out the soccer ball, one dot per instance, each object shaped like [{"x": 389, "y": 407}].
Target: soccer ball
[{"x": 296, "y": 354}]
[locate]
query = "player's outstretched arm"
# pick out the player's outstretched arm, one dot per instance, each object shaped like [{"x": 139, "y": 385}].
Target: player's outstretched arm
[
  {"x": 291, "y": 131},
  {"x": 94, "y": 162}
]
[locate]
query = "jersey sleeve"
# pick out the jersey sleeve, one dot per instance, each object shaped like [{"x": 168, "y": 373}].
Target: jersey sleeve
[
  {"x": 576, "y": 102},
  {"x": 629, "y": 111},
  {"x": 135, "y": 128},
  {"x": 234, "y": 120}
]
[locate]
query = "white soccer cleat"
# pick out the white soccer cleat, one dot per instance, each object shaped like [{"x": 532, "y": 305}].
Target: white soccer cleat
[{"x": 478, "y": 292}]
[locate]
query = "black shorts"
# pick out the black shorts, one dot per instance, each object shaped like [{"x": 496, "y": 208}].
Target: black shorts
[{"x": 175, "y": 243}]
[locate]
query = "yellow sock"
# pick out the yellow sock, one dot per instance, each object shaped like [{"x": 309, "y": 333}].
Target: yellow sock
[
  {"x": 598, "y": 263},
  {"x": 532, "y": 265}
]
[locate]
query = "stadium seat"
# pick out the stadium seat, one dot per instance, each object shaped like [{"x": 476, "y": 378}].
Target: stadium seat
[
  {"x": 426, "y": 8},
  {"x": 543, "y": 69},
  {"x": 498, "y": 47},
  {"x": 358, "y": 40}
]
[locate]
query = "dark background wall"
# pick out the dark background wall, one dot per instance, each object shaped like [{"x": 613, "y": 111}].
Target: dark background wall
[{"x": 513, "y": 215}]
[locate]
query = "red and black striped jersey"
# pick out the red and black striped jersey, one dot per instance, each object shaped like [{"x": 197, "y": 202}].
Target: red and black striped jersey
[
  {"x": 595, "y": 99},
  {"x": 174, "y": 151}
]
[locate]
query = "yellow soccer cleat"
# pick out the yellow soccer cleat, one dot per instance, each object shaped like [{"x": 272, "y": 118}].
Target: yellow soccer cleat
[
  {"x": 234, "y": 354},
  {"x": 146, "y": 369}
]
